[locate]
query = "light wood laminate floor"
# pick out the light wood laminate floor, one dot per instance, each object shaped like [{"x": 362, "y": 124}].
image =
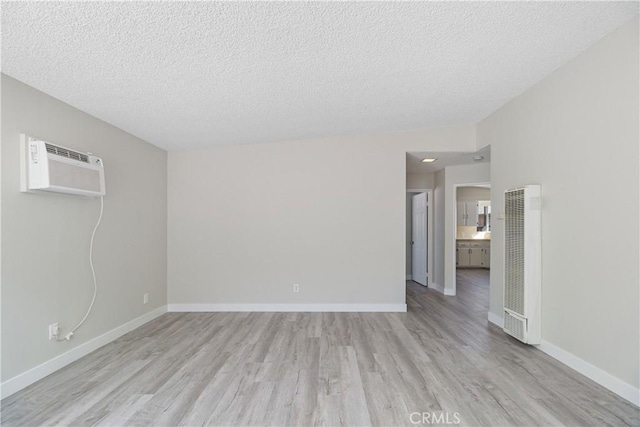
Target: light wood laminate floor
[{"x": 441, "y": 358}]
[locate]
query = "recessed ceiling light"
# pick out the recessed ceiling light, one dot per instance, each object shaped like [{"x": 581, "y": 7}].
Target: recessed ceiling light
[
  {"x": 478, "y": 158},
  {"x": 428, "y": 160}
]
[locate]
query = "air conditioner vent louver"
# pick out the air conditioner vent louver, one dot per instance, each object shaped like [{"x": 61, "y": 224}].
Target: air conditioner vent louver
[
  {"x": 59, "y": 151},
  {"x": 522, "y": 266},
  {"x": 514, "y": 246}
]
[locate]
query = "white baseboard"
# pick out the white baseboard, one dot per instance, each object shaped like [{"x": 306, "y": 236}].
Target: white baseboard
[
  {"x": 594, "y": 373},
  {"x": 29, "y": 377},
  {"x": 605, "y": 379},
  {"x": 608, "y": 381},
  {"x": 496, "y": 320},
  {"x": 288, "y": 307},
  {"x": 449, "y": 292},
  {"x": 409, "y": 277}
]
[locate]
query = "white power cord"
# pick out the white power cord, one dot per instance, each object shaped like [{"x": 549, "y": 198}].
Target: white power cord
[{"x": 93, "y": 273}]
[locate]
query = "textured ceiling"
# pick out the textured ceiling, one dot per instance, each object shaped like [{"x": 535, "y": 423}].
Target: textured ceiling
[{"x": 195, "y": 74}]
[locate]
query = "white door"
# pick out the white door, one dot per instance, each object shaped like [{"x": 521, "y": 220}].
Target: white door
[{"x": 419, "y": 239}]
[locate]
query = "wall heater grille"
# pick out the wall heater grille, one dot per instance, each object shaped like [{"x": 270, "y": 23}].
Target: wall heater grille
[
  {"x": 515, "y": 326},
  {"x": 522, "y": 266},
  {"x": 514, "y": 247}
]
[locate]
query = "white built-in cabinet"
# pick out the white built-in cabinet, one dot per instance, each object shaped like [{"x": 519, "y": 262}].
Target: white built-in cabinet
[
  {"x": 467, "y": 213},
  {"x": 473, "y": 254},
  {"x": 486, "y": 257}
]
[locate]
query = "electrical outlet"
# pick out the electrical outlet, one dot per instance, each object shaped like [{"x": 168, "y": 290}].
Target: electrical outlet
[
  {"x": 296, "y": 287},
  {"x": 145, "y": 298},
  {"x": 54, "y": 330}
]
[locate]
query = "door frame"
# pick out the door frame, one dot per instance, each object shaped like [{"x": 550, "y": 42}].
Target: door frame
[
  {"x": 429, "y": 192},
  {"x": 453, "y": 290}
]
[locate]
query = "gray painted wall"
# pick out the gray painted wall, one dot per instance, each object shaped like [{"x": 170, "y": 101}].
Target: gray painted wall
[
  {"x": 246, "y": 222},
  {"x": 45, "y": 238},
  {"x": 420, "y": 181},
  {"x": 577, "y": 134},
  {"x": 473, "y": 194}
]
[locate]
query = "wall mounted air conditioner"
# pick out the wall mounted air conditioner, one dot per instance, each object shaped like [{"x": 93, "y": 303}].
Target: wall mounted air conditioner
[
  {"x": 522, "y": 264},
  {"x": 49, "y": 167}
]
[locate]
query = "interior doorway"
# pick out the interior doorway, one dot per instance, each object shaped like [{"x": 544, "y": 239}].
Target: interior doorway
[
  {"x": 472, "y": 235},
  {"x": 419, "y": 236}
]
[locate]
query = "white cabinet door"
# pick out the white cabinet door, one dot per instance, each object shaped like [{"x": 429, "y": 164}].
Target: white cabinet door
[
  {"x": 461, "y": 213},
  {"x": 462, "y": 254},
  {"x": 475, "y": 257},
  {"x": 467, "y": 213},
  {"x": 487, "y": 258},
  {"x": 472, "y": 213},
  {"x": 463, "y": 257},
  {"x": 473, "y": 254}
]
